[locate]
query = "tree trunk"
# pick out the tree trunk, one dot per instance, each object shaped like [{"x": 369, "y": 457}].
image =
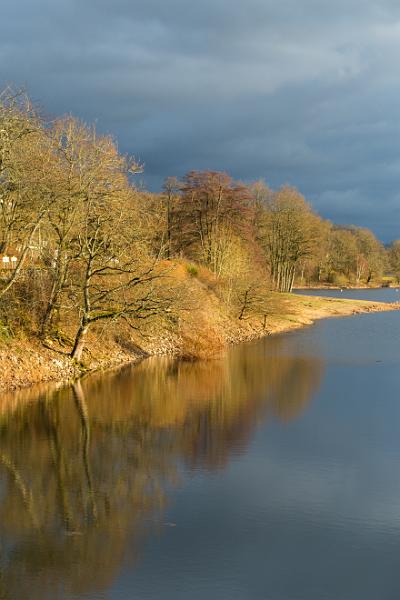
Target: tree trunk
[
  {"x": 54, "y": 300},
  {"x": 244, "y": 306},
  {"x": 15, "y": 273},
  {"x": 292, "y": 279},
  {"x": 80, "y": 339}
]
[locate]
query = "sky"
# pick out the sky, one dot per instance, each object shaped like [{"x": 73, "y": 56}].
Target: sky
[{"x": 304, "y": 92}]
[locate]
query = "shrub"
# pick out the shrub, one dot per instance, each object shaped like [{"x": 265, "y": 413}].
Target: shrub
[
  {"x": 5, "y": 332},
  {"x": 192, "y": 270}
]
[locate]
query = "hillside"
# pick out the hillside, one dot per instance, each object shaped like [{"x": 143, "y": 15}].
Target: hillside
[{"x": 201, "y": 330}]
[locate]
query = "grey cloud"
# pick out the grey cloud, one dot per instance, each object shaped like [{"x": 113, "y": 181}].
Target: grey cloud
[{"x": 305, "y": 93}]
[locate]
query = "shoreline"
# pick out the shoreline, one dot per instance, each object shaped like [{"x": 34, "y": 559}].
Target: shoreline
[
  {"x": 26, "y": 364},
  {"x": 345, "y": 287}
]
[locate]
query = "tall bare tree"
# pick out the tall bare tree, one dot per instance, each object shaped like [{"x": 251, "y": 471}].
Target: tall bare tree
[
  {"x": 113, "y": 274},
  {"x": 24, "y": 192},
  {"x": 288, "y": 233},
  {"x": 86, "y": 166},
  {"x": 211, "y": 204}
]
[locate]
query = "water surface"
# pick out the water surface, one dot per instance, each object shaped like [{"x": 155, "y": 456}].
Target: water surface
[
  {"x": 271, "y": 473},
  {"x": 372, "y": 294}
]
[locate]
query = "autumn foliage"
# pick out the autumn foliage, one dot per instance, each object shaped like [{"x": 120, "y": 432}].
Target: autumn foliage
[{"x": 81, "y": 245}]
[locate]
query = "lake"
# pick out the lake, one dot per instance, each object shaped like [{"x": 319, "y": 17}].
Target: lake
[
  {"x": 372, "y": 294},
  {"x": 271, "y": 473}
]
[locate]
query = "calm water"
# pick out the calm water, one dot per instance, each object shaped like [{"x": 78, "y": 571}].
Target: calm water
[
  {"x": 270, "y": 474},
  {"x": 378, "y": 295}
]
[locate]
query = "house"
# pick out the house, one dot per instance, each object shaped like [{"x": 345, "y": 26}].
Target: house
[{"x": 9, "y": 260}]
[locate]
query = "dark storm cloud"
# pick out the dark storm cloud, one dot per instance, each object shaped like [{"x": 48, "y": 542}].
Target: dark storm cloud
[{"x": 300, "y": 92}]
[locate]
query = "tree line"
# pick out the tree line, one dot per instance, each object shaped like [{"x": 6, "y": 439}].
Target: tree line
[{"x": 81, "y": 242}]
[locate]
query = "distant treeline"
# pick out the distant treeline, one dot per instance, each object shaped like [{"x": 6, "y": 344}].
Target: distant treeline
[{"x": 81, "y": 243}]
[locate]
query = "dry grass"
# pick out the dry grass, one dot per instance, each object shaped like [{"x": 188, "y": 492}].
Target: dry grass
[{"x": 201, "y": 327}]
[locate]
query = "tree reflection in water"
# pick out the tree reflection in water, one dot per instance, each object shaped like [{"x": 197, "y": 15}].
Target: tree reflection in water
[{"x": 85, "y": 470}]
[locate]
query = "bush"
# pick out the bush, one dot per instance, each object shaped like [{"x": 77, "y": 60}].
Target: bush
[
  {"x": 5, "y": 332},
  {"x": 338, "y": 279},
  {"x": 192, "y": 270}
]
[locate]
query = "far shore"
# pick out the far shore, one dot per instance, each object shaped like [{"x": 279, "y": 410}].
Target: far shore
[
  {"x": 26, "y": 362},
  {"x": 345, "y": 287}
]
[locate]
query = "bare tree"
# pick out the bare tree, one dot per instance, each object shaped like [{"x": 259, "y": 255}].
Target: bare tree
[
  {"x": 210, "y": 204},
  {"x": 171, "y": 187},
  {"x": 86, "y": 166},
  {"x": 24, "y": 192},
  {"x": 394, "y": 259},
  {"x": 114, "y": 276},
  {"x": 288, "y": 233}
]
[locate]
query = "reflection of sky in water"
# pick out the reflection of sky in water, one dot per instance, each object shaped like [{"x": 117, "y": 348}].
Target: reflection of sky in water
[
  {"x": 312, "y": 510},
  {"x": 372, "y": 294},
  {"x": 367, "y": 339},
  {"x": 289, "y": 485}
]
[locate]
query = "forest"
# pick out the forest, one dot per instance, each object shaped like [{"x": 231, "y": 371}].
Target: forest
[{"x": 82, "y": 243}]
